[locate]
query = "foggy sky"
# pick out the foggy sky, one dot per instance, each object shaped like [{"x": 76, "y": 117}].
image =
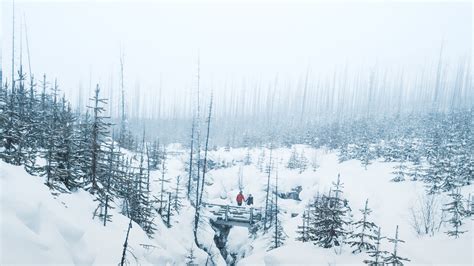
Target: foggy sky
[{"x": 80, "y": 42}]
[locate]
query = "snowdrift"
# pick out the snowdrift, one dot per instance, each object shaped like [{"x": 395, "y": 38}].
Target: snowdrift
[{"x": 38, "y": 228}]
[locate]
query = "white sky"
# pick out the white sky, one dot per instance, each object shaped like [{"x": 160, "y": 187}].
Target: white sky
[{"x": 235, "y": 40}]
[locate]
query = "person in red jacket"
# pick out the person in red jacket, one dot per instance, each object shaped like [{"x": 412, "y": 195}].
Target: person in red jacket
[{"x": 240, "y": 198}]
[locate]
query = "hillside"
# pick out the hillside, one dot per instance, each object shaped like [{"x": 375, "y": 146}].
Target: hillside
[{"x": 60, "y": 229}]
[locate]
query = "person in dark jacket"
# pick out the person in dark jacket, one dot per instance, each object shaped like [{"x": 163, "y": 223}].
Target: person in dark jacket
[
  {"x": 240, "y": 198},
  {"x": 249, "y": 200}
]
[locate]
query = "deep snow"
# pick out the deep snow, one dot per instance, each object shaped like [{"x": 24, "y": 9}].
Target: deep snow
[{"x": 39, "y": 228}]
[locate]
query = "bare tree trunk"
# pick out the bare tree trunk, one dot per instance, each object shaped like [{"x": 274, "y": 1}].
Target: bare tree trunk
[
  {"x": 205, "y": 152},
  {"x": 191, "y": 161},
  {"x": 268, "y": 191},
  {"x": 125, "y": 244}
]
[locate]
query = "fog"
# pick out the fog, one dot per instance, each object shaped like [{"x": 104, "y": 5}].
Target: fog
[{"x": 240, "y": 46}]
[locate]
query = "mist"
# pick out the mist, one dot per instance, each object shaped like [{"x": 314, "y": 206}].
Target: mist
[{"x": 243, "y": 50}]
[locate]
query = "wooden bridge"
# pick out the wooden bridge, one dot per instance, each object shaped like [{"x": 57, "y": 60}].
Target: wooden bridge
[{"x": 234, "y": 215}]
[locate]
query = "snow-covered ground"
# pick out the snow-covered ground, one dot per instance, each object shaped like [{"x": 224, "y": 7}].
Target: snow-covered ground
[
  {"x": 390, "y": 201},
  {"x": 39, "y": 228}
]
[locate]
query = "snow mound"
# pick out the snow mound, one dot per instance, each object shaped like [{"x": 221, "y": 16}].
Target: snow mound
[{"x": 39, "y": 228}]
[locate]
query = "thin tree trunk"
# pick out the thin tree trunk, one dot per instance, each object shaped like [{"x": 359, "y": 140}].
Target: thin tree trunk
[
  {"x": 205, "y": 152},
  {"x": 125, "y": 244}
]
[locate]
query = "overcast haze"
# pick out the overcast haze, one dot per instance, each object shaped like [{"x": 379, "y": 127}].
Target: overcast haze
[{"x": 81, "y": 42}]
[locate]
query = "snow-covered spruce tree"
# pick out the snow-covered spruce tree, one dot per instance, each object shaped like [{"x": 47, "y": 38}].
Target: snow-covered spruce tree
[
  {"x": 10, "y": 133},
  {"x": 376, "y": 255},
  {"x": 464, "y": 163},
  {"x": 177, "y": 195},
  {"x": 68, "y": 151},
  {"x": 278, "y": 236},
  {"x": 343, "y": 153},
  {"x": 331, "y": 219},
  {"x": 434, "y": 175},
  {"x": 154, "y": 155},
  {"x": 363, "y": 239},
  {"x": 126, "y": 188},
  {"x": 314, "y": 162},
  {"x": 393, "y": 257},
  {"x": 455, "y": 208},
  {"x": 143, "y": 205},
  {"x": 302, "y": 162},
  {"x": 33, "y": 133},
  {"x": 248, "y": 157},
  {"x": 161, "y": 199},
  {"x": 98, "y": 134},
  {"x": 364, "y": 153},
  {"x": 293, "y": 161},
  {"x": 416, "y": 171},
  {"x": 227, "y": 146},
  {"x": 45, "y": 103},
  {"x": 168, "y": 211},
  {"x": 469, "y": 205},
  {"x": 50, "y": 170},
  {"x": 400, "y": 172},
  {"x": 315, "y": 214},
  {"x": 22, "y": 127},
  {"x": 458, "y": 148},
  {"x": 85, "y": 149},
  {"x": 4, "y": 110},
  {"x": 111, "y": 178},
  {"x": 330, "y": 223},
  {"x": 303, "y": 229}
]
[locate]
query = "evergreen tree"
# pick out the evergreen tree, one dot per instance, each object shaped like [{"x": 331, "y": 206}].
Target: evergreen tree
[
  {"x": 67, "y": 154},
  {"x": 21, "y": 127},
  {"x": 248, "y": 158},
  {"x": 279, "y": 236},
  {"x": 51, "y": 169},
  {"x": 455, "y": 208},
  {"x": 162, "y": 194},
  {"x": 143, "y": 205},
  {"x": 34, "y": 131},
  {"x": 85, "y": 149},
  {"x": 303, "y": 230},
  {"x": 400, "y": 172},
  {"x": 363, "y": 239},
  {"x": 469, "y": 205},
  {"x": 99, "y": 132},
  {"x": 293, "y": 161},
  {"x": 330, "y": 219},
  {"x": 364, "y": 154},
  {"x": 106, "y": 196},
  {"x": 376, "y": 254},
  {"x": 435, "y": 175},
  {"x": 302, "y": 162},
  {"x": 393, "y": 257},
  {"x": 154, "y": 155},
  {"x": 177, "y": 196},
  {"x": 416, "y": 171}
]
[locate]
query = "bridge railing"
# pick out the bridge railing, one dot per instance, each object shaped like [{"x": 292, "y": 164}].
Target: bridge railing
[{"x": 235, "y": 213}]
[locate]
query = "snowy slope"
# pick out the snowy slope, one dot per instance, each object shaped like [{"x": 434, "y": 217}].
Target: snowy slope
[
  {"x": 38, "y": 228},
  {"x": 60, "y": 229},
  {"x": 390, "y": 202}
]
